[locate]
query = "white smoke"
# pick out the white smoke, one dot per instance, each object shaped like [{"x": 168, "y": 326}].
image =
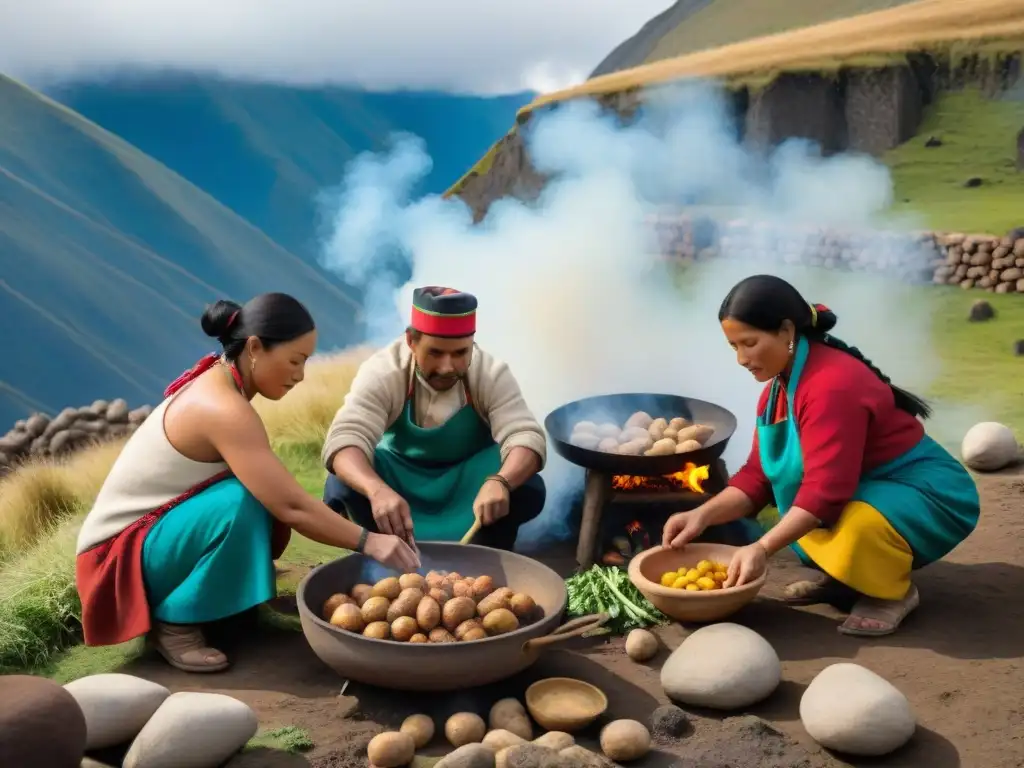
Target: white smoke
[{"x": 572, "y": 292}]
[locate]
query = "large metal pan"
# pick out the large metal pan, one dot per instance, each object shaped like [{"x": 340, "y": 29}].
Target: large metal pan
[
  {"x": 442, "y": 666},
  {"x": 618, "y": 408}
]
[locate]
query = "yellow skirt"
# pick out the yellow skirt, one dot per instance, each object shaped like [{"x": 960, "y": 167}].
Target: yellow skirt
[{"x": 863, "y": 551}]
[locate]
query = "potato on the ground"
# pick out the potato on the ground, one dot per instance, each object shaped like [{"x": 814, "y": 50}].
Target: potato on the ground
[
  {"x": 522, "y": 605},
  {"x": 441, "y": 635},
  {"x": 641, "y": 645},
  {"x": 556, "y": 740},
  {"x": 403, "y": 628},
  {"x": 494, "y": 601},
  {"x": 409, "y": 580},
  {"x": 379, "y": 630},
  {"x": 608, "y": 445},
  {"x": 464, "y": 728},
  {"x": 405, "y": 604},
  {"x": 347, "y": 616},
  {"x": 582, "y": 757},
  {"x": 688, "y": 445},
  {"x": 500, "y": 621},
  {"x": 419, "y": 637},
  {"x": 623, "y": 740},
  {"x": 331, "y": 604},
  {"x": 640, "y": 419},
  {"x": 498, "y": 739},
  {"x": 510, "y": 715},
  {"x": 375, "y": 609},
  {"x": 456, "y": 611},
  {"x": 361, "y": 593},
  {"x": 389, "y": 588},
  {"x": 428, "y": 613},
  {"x": 391, "y": 749},
  {"x": 482, "y": 587},
  {"x": 664, "y": 447},
  {"x": 420, "y": 727}
]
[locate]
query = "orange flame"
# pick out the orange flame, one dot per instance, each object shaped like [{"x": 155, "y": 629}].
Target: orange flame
[{"x": 689, "y": 478}]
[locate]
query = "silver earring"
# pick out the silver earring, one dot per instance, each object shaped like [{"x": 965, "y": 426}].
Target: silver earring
[{"x": 791, "y": 346}]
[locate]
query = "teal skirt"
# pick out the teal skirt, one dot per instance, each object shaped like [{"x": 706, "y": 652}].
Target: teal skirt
[{"x": 209, "y": 557}]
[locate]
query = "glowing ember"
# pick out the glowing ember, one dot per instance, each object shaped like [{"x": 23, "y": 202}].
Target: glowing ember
[{"x": 689, "y": 478}]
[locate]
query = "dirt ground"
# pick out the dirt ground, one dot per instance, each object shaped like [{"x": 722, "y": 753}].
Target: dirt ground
[{"x": 958, "y": 659}]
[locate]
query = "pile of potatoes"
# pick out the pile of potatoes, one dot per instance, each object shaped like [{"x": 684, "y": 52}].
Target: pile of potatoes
[
  {"x": 437, "y": 608},
  {"x": 505, "y": 740},
  {"x": 642, "y": 434}
]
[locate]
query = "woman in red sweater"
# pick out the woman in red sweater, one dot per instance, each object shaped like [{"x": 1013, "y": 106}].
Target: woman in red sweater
[{"x": 865, "y": 495}]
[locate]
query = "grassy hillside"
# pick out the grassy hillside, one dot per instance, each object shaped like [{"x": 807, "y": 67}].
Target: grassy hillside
[
  {"x": 267, "y": 151},
  {"x": 108, "y": 258},
  {"x": 696, "y": 25}
]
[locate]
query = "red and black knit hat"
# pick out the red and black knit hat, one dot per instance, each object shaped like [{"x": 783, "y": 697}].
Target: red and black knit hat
[{"x": 443, "y": 312}]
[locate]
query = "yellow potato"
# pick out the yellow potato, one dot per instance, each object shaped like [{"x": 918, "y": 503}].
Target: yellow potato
[
  {"x": 348, "y": 617},
  {"x": 706, "y": 583},
  {"x": 668, "y": 578},
  {"x": 420, "y": 727},
  {"x": 389, "y": 588},
  {"x": 500, "y": 621},
  {"x": 680, "y": 582},
  {"x": 403, "y": 628},
  {"x": 375, "y": 609},
  {"x": 466, "y": 626},
  {"x": 419, "y": 637},
  {"x": 405, "y": 604},
  {"x": 380, "y": 630},
  {"x": 692, "y": 588},
  {"x": 331, "y": 604},
  {"x": 685, "y": 446},
  {"x": 464, "y": 728},
  {"x": 428, "y": 613},
  {"x": 361, "y": 593},
  {"x": 456, "y": 611},
  {"x": 523, "y": 606},
  {"x": 665, "y": 447},
  {"x": 693, "y": 574},
  {"x": 412, "y": 580},
  {"x": 704, "y": 567},
  {"x": 441, "y": 635},
  {"x": 391, "y": 750},
  {"x": 477, "y": 633},
  {"x": 639, "y": 419},
  {"x": 720, "y": 576}
]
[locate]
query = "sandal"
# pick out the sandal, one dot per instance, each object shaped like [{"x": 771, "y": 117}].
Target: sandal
[
  {"x": 819, "y": 589},
  {"x": 889, "y": 613},
  {"x": 184, "y": 647}
]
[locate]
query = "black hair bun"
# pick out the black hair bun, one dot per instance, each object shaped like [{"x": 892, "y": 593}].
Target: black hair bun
[
  {"x": 826, "y": 319},
  {"x": 219, "y": 317}
]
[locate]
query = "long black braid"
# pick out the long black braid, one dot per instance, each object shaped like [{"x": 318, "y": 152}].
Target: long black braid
[{"x": 765, "y": 301}]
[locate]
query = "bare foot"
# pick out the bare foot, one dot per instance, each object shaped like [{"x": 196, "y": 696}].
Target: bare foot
[
  {"x": 872, "y": 617},
  {"x": 816, "y": 589}
]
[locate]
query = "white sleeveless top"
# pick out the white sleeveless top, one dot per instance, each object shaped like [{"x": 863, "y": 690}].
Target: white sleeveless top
[{"x": 148, "y": 474}]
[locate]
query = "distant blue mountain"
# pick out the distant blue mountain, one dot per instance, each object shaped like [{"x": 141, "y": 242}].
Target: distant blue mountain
[{"x": 118, "y": 226}]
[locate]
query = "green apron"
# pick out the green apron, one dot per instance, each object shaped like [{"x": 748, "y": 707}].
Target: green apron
[
  {"x": 439, "y": 471},
  {"x": 927, "y": 497}
]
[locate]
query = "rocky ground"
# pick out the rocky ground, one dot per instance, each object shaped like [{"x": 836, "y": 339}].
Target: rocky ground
[{"x": 958, "y": 660}]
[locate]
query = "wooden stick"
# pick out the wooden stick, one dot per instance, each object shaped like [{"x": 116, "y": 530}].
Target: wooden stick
[{"x": 473, "y": 530}]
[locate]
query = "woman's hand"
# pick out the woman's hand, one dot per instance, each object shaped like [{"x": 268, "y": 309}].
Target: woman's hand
[
  {"x": 391, "y": 551},
  {"x": 682, "y": 528},
  {"x": 746, "y": 565}
]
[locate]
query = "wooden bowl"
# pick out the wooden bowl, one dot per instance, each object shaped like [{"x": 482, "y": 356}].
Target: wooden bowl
[
  {"x": 646, "y": 568},
  {"x": 565, "y": 704}
]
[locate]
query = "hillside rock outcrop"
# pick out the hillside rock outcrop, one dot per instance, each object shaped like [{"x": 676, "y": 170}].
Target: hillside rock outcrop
[{"x": 73, "y": 428}]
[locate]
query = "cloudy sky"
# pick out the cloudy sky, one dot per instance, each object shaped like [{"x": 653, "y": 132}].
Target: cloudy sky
[{"x": 484, "y": 46}]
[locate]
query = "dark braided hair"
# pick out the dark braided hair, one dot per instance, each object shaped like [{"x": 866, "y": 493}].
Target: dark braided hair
[{"x": 765, "y": 302}]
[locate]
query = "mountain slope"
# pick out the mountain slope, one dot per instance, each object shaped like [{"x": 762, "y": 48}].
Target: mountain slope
[
  {"x": 697, "y": 25},
  {"x": 268, "y": 151},
  {"x": 107, "y": 258}
]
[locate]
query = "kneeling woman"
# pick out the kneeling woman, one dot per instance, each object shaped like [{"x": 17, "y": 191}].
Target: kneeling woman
[
  {"x": 865, "y": 495},
  {"x": 196, "y": 507}
]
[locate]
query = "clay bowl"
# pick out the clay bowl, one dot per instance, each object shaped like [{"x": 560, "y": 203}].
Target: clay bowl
[
  {"x": 646, "y": 568},
  {"x": 565, "y": 704}
]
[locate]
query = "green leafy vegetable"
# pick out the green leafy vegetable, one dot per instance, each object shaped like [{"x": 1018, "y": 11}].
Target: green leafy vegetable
[{"x": 609, "y": 590}]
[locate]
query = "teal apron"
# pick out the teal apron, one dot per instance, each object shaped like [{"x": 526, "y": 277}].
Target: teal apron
[
  {"x": 439, "y": 471},
  {"x": 927, "y": 497}
]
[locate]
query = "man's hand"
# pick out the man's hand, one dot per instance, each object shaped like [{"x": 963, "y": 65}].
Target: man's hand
[
  {"x": 492, "y": 502},
  {"x": 391, "y": 513}
]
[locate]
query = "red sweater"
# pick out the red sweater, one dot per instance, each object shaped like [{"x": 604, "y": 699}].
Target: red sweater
[{"x": 848, "y": 424}]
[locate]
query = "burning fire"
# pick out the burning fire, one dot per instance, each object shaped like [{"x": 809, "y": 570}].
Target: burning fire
[{"x": 689, "y": 478}]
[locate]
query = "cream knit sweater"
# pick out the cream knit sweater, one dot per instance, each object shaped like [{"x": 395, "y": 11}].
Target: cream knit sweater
[{"x": 378, "y": 395}]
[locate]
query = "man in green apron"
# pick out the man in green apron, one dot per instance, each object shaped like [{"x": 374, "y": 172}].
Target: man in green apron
[{"x": 434, "y": 434}]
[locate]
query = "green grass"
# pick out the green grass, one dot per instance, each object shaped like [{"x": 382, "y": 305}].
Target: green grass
[
  {"x": 287, "y": 739},
  {"x": 979, "y": 138}
]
